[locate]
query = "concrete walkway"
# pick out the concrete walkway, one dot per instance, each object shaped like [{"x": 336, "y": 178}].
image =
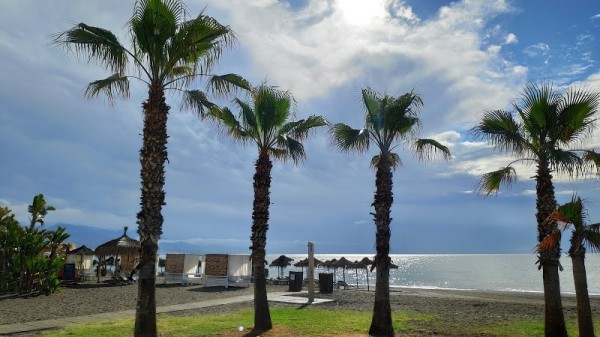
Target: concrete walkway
[{"x": 9, "y": 329}]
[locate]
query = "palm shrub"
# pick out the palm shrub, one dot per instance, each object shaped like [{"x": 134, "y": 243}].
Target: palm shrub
[
  {"x": 24, "y": 268},
  {"x": 543, "y": 130},
  {"x": 268, "y": 122},
  {"x": 167, "y": 52},
  {"x": 389, "y": 122}
]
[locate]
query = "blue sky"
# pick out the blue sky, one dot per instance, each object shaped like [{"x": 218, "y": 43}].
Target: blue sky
[{"x": 463, "y": 57}]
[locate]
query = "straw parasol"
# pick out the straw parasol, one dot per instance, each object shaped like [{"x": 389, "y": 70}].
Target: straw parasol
[
  {"x": 281, "y": 262},
  {"x": 343, "y": 263},
  {"x": 123, "y": 246},
  {"x": 304, "y": 263},
  {"x": 364, "y": 263}
]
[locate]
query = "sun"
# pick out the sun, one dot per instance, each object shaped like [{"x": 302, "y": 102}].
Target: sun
[{"x": 361, "y": 12}]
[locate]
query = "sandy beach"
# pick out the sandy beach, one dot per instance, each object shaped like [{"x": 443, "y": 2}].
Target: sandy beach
[{"x": 455, "y": 308}]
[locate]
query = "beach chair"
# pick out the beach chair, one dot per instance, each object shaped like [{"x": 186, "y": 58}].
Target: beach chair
[{"x": 343, "y": 284}]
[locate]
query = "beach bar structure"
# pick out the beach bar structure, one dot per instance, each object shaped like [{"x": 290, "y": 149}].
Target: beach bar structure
[
  {"x": 183, "y": 268},
  {"x": 227, "y": 270},
  {"x": 124, "y": 250}
]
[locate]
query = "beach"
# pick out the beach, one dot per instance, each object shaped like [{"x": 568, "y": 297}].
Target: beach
[{"x": 455, "y": 308}]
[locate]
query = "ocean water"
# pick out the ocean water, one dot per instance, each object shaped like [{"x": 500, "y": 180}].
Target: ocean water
[{"x": 486, "y": 272}]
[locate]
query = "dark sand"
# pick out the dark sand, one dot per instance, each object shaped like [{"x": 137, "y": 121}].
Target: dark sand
[{"x": 456, "y": 309}]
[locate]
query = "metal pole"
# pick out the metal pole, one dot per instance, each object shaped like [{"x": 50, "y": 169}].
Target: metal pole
[{"x": 311, "y": 272}]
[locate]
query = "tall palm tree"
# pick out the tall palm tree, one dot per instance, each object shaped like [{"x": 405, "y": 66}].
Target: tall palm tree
[
  {"x": 38, "y": 210},
  {"x": 267, "y": 122},
  {"x": 389, "y": 122},
  {"x": 167, "y": 52},
  {"x": 583, "y": 235},
  {"x": 543, "y": 131}
]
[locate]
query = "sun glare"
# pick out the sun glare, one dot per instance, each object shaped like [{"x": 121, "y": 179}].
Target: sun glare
[{"x": 361, "y": 12}]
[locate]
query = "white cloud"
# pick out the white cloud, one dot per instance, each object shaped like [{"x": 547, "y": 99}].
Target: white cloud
[
  {"x": 510, "y": 39},
  {"x": 595, "y": 17},
  {"x": 537, "y": 49},
  {"x": 315, "y": 50}
]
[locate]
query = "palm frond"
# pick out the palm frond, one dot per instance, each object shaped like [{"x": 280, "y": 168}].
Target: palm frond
[
  {"x": 566, "y": 161},
  {"x": 153, "y": 24},
  {"x": 371, "y": 100},
  {"x": 550, "y": 241},
  {"x": 592, "y": 158},
  {"x": 294, "y": 149},
  {"x": 225, "y": 84},
  {"x": 491, "y": 181},
  {"x": 96, "y": 44},
  {"x": 499, "y": 128},
  {"x": 346, "y": 138},
  {"x": 577, "y": 113},
  {"x": 301, "y": 130},
  {"x": 182, "y": 71},
  {"x": 248, "y": 118},
  {"x": 201, "y": 40},
  {"x": 427, "y": 148},
  {"x": 229, "y": 122},
  {"x": 110, "y": 86},
  {"x": 592, "y": 238},
  {"x": 198, "y": 102},
  {"x": 279, "y": 154},
  {"x": 400, "y": 116},
  {"x": 538, "y": 107},
  {"x": 394, "y": 159},
  {"x": 274, "y": 108}
]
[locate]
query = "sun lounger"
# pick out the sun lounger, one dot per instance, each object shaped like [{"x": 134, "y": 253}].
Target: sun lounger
[{"x": 342, "y": 284}]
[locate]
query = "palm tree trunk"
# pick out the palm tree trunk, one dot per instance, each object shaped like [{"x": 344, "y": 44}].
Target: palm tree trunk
[
  {"x": 584, "y": 311},
  {"x": 152, "y": 157},
  {"x": 554, "y": 323},
  {"x": 260, "y": 225},
  {"x": 381, "y": 323}
]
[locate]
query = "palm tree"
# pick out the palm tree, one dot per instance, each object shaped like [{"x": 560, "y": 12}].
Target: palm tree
[
  {"x": 389, "y": 122},
  {"x": 546, "y": 127},
  {"x": 38, "y": 210},
  {"x": 583, "y": 235},
  {"x": 167, "y": 52},
  {"x": 267, "y": 122}
]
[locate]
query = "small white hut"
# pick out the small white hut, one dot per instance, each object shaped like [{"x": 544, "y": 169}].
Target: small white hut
[
  {"x": 183, "y": 268},
  {"x": 83, "y": 259},
  {"x": 227, "y": 270}
]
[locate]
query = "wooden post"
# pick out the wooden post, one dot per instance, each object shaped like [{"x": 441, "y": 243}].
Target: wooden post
[{"x": 311, "y": 272}]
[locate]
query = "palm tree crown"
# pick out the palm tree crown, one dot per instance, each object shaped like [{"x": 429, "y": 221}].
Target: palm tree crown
[
  {"x": 389, "y": 121},
  {"x": 547, "y": 126},
  {"x": 573, "y": 214},
  {"x": 267, "y": 122},
  {"x": 166, "y": 51}
]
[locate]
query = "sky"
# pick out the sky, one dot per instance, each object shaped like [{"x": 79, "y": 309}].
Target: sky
[{"x": 463, "y": 58}]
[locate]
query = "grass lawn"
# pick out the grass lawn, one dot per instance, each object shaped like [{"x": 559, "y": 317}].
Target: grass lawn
[{"x": 306, "y": 322}]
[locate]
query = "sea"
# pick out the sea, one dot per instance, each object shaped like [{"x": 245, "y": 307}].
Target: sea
[{"x": 484, "y": 272}]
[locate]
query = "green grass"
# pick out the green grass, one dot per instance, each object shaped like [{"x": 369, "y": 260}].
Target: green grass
[
  {"x": 529, "y": 328},
  {"x": 308, "y": 322}
]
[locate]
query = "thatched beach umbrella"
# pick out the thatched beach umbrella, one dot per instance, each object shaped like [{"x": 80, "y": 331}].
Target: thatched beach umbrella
[
  {"x": 304, "y": 263},
  {"x": 281, "y": 262},
  {"x": 366, "y": 262},
  {"x": 343, "y": 263},
  {"x": 123, "y": 246}
]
